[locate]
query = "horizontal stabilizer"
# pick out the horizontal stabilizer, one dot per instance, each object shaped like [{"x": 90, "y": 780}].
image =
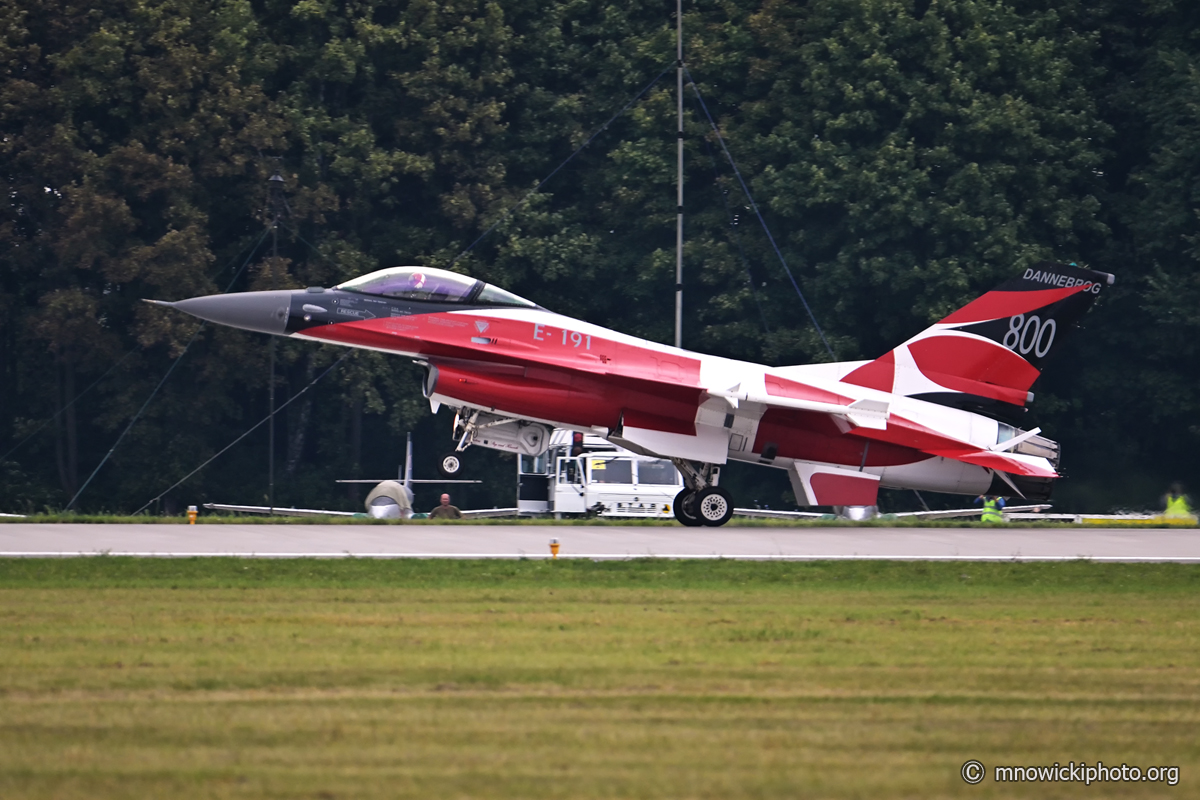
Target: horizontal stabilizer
[{"x": 1014, "y": 463}]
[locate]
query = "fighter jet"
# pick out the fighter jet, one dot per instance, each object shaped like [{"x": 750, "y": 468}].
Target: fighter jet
[{"x": 927, "y": 415}]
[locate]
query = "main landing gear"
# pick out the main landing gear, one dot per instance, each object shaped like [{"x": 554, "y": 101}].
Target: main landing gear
[{"x": 701, "y": 502}]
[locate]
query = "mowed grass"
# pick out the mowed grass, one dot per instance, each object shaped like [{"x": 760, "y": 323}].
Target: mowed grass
[{"x": 643, "y": 679}]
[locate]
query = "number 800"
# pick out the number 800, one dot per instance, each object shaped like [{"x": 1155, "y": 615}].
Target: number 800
[{"x": 1030, "y": 334}]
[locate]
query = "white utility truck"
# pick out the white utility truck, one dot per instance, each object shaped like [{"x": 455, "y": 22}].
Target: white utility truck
[{"x": 583, "y": 473}]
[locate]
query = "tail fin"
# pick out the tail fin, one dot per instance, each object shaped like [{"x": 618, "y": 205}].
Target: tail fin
[{"x": 986, "y": 355}]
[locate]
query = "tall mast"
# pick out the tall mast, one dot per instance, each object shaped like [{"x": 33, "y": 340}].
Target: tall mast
[
  {"x": 679, "y": 175},
  {"x": 275, "y": 184}
]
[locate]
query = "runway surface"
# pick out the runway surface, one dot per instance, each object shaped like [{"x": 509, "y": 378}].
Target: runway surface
[{"x": 527, "y": 541}]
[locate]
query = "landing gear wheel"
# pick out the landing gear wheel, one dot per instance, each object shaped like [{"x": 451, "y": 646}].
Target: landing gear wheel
[
  {"x": 713, "y": 506},
  {"x": 450, "y": 465},
  {"x": 685, "y": 509}
]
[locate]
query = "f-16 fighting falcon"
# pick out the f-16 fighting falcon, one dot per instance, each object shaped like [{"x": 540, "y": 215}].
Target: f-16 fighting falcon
[{"x": 923, "y": 416}]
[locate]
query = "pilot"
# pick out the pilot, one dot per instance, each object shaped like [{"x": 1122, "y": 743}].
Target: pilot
[
  {"x": 416, "y": 282},
  {"x": 991, "y": 508},
  {"x": 445, "y": 510}
]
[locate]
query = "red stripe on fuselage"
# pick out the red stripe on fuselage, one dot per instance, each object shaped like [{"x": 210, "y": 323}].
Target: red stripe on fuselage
[
  {"x": 552, "y": 343},
  {"x": 565, "y": 375},
  {"x": 813, "y": 436},
  {"x": 782, "y": 387}
]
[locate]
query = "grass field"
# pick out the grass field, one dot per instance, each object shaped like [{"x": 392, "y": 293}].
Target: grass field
[{"x": 644, "y": 679}]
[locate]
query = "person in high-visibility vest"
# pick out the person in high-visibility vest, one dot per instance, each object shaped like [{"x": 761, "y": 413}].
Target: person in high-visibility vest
[
  {"x": 991, "y": 508},
  {"x": 1177, "y": 503}
]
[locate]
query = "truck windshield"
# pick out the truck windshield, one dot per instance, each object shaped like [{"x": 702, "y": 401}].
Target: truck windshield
[
  {"x": 532, "y": 465},
  {"x": 612, "y": 470},
  {"x": 659, "y": 472}
]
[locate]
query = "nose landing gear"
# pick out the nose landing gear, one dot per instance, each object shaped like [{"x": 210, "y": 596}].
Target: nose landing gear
[{"x": 449, "y": 465}]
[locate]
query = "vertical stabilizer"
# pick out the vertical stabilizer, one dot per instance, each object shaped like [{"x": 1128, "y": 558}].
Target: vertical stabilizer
[{"x": 987, "y": 354}]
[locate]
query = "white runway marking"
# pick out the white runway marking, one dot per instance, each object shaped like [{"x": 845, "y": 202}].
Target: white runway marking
[{"x": 600, "y": 542}]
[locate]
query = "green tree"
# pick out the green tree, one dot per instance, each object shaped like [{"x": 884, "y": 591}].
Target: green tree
[
  {"x": 128, "y": 125},
  {"x": 917, "y": 154}
]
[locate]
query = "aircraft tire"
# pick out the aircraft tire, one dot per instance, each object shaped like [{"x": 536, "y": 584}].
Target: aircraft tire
[
  {"x": 684, "y": 501},
  {"x": 713, "y": 506},
  {"x": 449, "y": 465}
]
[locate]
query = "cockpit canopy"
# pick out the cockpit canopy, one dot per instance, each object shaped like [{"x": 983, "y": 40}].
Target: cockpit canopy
[{"x": 433, "y": 286}]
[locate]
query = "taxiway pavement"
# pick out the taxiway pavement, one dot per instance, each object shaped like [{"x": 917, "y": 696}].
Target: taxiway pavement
[{"x": 608, "y": 541}]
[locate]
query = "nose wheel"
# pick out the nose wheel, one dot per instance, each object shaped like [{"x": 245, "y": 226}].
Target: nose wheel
[
  {"x": 449, "y": 465},
  {"x": 710, "y": 507}
]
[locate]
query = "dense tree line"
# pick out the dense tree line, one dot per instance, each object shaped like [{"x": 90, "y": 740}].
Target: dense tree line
[{"x": 907, "y": 155}]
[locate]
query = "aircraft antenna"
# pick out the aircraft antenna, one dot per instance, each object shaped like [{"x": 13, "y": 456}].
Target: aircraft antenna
[
  {"x": 252, "y": 429},
  {"x": 754, "y": 207},
  {"x": 275, "y": 186},
  {"x": 521, "y": 204},
  {"x": 679, "y": 174},
  {"x": 138, "y": 415}
]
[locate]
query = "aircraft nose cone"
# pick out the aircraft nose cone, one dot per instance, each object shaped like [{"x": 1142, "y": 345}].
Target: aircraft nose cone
[{"x": 265, "y": 312}]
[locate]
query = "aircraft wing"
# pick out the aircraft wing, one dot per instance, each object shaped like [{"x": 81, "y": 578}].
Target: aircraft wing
[
  {"x": 281, "y": 512},
  {"x": 484, "y": 513},
  {"x": 967, "y": 512},
  {"x": 876, "y": 420},
  {"x": 769, "y": 513},
  {"x": 871, "y": 414},
  {"x": 480, "y": 513},
  {"x": 948, "y": 514}
]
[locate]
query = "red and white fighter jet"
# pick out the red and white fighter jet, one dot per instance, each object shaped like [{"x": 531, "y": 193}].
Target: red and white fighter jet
[{"x": 922, "y": 416}]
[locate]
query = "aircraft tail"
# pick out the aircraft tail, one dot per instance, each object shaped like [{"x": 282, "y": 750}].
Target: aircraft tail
[{"x": 986, "y": 356}]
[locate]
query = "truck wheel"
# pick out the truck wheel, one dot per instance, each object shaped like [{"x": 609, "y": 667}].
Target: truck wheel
[
  {"x": 713, "y": 506},
  {"x": 450, "y": 465},
  {"x": 685, "y": 509}
]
